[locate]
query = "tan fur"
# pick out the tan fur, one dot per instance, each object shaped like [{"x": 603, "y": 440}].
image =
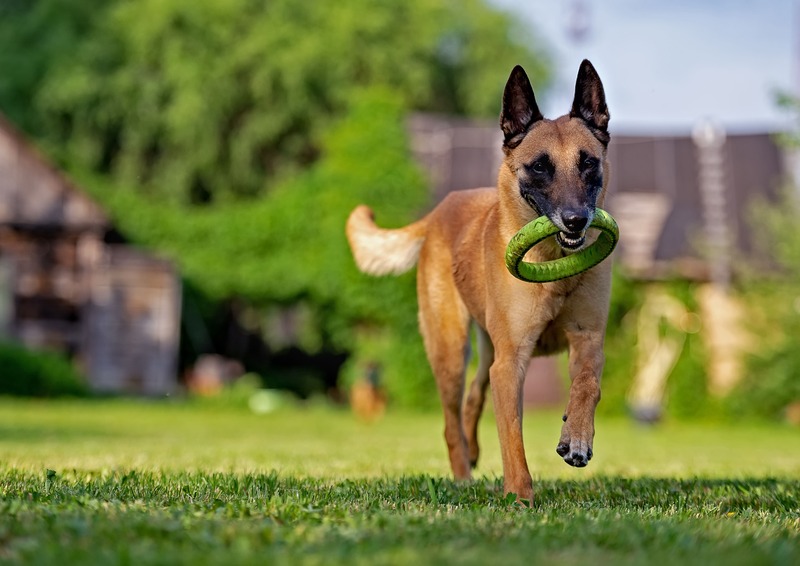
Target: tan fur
[{"x": 462, "y": 277}]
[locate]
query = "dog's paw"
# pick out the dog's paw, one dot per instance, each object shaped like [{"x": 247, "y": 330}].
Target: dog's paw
[
  {"x": 574, "y": 447},
  {"x": 473, "y": 450},
  {"x": 473, "y": 460},
  {"x": 574, "y": 457}
]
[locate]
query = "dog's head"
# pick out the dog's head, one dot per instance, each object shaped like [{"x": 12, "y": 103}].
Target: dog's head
[{"x": 558, "y": 165}]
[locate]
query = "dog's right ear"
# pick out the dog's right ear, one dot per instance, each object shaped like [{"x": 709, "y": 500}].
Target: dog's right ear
[{"x": 520, "y": 110}]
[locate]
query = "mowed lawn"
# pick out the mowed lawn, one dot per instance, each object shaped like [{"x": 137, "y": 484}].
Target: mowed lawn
[{"x": 135, "y": 482}]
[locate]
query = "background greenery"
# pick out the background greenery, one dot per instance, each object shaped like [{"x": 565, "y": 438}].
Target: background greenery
[
  {"x": 686, "y": 394},
  {"x": 235, "y": 136},
  {"x": 196, "y": 102},
  {"x": 772, "y": 383},
  {"x": 38, "y": 374}
]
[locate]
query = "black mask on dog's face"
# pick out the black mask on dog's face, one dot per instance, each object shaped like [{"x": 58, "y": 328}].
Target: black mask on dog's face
[{"x": 559, "y": 164}]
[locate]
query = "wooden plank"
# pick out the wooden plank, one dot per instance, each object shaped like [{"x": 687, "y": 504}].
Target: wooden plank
[{"x": 132, "y": 324}]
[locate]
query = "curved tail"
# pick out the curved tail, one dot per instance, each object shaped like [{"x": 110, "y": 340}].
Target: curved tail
[{"x": 378, "y": 251}]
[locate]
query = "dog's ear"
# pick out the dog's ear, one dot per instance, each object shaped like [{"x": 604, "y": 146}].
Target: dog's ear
[
  {"x": 590, "y": 101},
  {"x": 520, "y": 110}
]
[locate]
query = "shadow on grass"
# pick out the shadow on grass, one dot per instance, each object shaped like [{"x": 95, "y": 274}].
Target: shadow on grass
[
  {"x": 127, "y": 516},
  {"x": 720, "y": 496},
  {"x": 41, "y": 433}
]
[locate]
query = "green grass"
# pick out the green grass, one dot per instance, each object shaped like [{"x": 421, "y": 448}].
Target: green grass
[{"x": 205, "y": 483}]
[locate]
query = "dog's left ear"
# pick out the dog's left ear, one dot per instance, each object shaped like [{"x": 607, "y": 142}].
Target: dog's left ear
[{"x": 590, "y": 101}]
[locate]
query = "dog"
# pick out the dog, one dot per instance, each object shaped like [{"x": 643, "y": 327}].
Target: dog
[{"x": 557, "y": 168}]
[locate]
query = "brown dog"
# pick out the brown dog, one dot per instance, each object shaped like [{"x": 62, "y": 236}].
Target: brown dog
[{"x": 553, "y": 167}]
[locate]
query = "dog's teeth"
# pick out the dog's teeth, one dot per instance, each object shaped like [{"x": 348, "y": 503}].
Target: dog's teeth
[{"x": 571, "y": 242}]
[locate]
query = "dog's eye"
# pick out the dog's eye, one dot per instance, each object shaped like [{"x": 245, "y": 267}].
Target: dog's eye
[
  {"x": 538, "y": 167},
  {"x": 589, "y": 162}
]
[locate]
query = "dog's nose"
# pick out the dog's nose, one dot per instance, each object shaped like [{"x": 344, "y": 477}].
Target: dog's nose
[{"x": 574, "y": 221}]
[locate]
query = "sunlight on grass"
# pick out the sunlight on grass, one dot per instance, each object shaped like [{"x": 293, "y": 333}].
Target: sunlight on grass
[
  {"x": 321, "y": 441},
  {"x": 169, "y": 482}
]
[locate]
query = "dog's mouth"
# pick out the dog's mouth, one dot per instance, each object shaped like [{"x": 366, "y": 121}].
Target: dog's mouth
[{"x": 571, "y": 241}]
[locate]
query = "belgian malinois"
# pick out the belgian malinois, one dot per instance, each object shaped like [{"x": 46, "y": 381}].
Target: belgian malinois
[{"x": 556, "y": 168}]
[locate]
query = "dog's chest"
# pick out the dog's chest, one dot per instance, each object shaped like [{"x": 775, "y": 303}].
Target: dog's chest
[
  {"x": 549, "y": 303},
  {"x": 549, "y": 299}
]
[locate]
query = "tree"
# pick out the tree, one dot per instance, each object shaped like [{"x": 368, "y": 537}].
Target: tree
[
  {"x": 36, "y": 37},
  {"x": 205, "y": 101},
  {"x": 236, "y": 135},
  {"x": 288, "y": 247}
]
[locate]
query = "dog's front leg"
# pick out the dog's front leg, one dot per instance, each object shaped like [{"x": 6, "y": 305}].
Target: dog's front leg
[
  {"x": 585, "y": 368},
  {"x": 506, "y": 377}
]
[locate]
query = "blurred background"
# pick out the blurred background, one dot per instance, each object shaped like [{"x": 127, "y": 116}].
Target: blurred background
[{"x": 175, "y": 176}]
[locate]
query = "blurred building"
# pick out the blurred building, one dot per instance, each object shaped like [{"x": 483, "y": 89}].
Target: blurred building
[
  {"x": 65, "y": 286},
  {"x": 683, "y": 204},
  {"x": 654, "y": 191}
]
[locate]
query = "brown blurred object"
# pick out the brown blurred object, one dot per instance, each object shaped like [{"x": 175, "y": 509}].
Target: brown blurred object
[
  {"x": 792, "y": 413},
  {"x": 211, "y": 373},
  {"x": 544, "y": 386},
  {"x": 726, "y": 337},
  {"x": 367, "y": 397}
]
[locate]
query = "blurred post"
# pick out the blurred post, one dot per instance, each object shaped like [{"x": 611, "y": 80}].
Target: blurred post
[
  {"x": 709, "y": 138},
  {"x": 367, "y": 397},
  {"x": 6, "y": 299},
  {"x": 722, "y": 315}
]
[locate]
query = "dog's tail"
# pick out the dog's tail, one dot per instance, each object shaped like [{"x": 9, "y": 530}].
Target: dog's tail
[{"x": 378, "y": 251}]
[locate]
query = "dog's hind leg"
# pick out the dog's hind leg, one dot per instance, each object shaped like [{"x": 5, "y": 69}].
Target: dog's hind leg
[
  {"x": 444, "y": 322},
  {"x": 473, "y": 407}
]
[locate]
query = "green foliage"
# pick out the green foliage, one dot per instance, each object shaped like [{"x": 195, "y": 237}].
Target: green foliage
[
  {"x": 159, "y": 106},
  {"x": 288, "y": 247},
  {"x": 37, "y": 374},
  {"x": 791, "y": 104},
  {"x": 620, "y": 344},
  {"x": 236, "y": 135},
  {"x": 199, "y": 101},
  {"x": 772, "y": 380},
  {"x": 35, "y": 38},
  {"x": 686, "y": 393}
]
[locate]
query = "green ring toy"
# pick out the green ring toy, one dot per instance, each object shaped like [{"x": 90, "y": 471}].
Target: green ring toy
[{"x": 541, "y": 228}]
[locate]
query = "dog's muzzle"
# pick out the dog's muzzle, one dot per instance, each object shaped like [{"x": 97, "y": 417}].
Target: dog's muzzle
[{"x": 573, "y": 224}]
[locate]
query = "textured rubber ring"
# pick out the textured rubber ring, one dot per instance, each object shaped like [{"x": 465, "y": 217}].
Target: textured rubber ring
[{"x": 541, "y": 228}]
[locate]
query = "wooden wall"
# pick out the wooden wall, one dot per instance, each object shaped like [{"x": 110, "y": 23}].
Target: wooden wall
[{"x": 114, "y": 309}]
